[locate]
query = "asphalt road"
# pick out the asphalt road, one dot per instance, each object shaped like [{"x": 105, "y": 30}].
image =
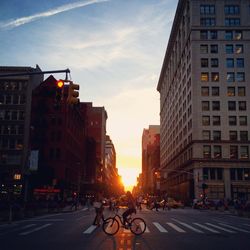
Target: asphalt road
[{"x": 178, "y": 229}]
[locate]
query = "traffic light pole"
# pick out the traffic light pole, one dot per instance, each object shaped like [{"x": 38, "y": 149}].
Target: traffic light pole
[{"x": 67, "y": 71}]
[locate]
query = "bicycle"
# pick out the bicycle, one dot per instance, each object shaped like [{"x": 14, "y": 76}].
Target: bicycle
[{"x": 111, "y": 225}]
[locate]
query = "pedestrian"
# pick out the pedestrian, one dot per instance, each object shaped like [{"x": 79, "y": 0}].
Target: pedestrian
[{"x": 98, "y": 205}]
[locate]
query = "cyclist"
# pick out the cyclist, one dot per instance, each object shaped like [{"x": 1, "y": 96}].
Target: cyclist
[{"x": 131, "y": 207}]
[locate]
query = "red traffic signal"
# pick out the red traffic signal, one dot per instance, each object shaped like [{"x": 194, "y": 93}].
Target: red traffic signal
[{"x": 60, "y": 84}]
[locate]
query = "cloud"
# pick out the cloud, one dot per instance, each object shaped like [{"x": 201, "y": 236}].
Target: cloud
[{"x": 23, "y": 20}]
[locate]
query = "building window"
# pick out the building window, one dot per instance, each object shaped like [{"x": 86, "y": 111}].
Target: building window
[
  {"x": 217, "y": 135},
  {"x": 204, "y": 34},
  {"x": 212, "y": 173},
  {"x": 215, "y": 91},
  {"x": 232, "y": 120},
  {"x": 213, "y": 34},
  {"x": 207, "y": 9},
  {"x": 230, "y": 62},
  {"x": 217, "y": 152},
  {"x": 231, "y": 105},
  {"x": 229, "y": 35},
  {"x": 242, "y": 106},
  {"x": 233, "y": 152},
  {"x": 241, "y": 91},
  {"x": 205, "y": 106},
  {"x": 246, "y": 174},
  {"x": 216, "y": 120},
  {"x": 244, "y": 135},
  {"x": 206, "y": 151},
  {"x": 204, "y": 77},
  {"x": 238, "y": 48},
  {"x": 204, "y": 62},
  {"x": 232, "y": 174},
  {"x": 219, "y": 173},
  {"x": 233, "y": 135},
  {"x": 206, "y": 135},
  {"x": 229, "y": 49},
  {"x": 214, "y": 62},
  {"x": 203, "y": 49},
  {"x": 244, "y": 152},
  {"x": 208, "y": 22},
  {"x": 230, "y": 77},
  {"x": 243, "y": 120},
  {"x": 230, "y": 91},
  {"x": 215, "y": 105},
  {"x": 214, "y": 48},
  {"x": 232, "y": 9},
  {"x": 205, "y": 120},
  {"x": 205, "y": 173},
  {"x": 239, "y": 174},
  {"x": 205, "y": 91},
  {"x": 240, "y": 77},
  {"x": 215, "y": 77},
  {"x": 240, "y": 62},
  {"x": 232, "y": 21},
  {"x": 238, "y": 35}
]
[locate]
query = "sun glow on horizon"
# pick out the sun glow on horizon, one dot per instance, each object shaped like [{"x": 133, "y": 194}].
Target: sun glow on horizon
[{"x": 129, "y": 177}]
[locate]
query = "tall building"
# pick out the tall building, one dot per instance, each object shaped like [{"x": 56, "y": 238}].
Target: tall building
[
  {"x": 150, "y": 158},
  {"x": 96, "y": 118},
  {"x": 58, "y": 137},
  {"x": 15, "y": 113},
  {"x": 205, "y": 101}
]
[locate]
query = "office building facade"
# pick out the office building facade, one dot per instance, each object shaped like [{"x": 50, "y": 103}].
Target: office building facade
[{"x": 204, "y": 101}]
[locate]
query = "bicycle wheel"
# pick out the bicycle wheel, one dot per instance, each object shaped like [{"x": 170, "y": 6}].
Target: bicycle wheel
[
  {"x": 138, "y": 226},
  {"x": 110, "y": 226}
]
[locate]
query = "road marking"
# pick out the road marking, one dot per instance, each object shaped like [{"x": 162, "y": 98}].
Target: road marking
[
  {"x": 235, "y": 228},
  {"x": 80, "y": 218},
  {"x": 35, "y": 229},
  {"x": 27, "y": 226},
  {"x": 178, "y": 229},
  {"x": 188, "y": 226},
  {"x": 90, "y": 229},
  {"x": 221, "y": 228},
  {"x": 142, "y": 227},
  {"x": 246, "y": 225},
  {"x": 160, "y": 228},
  {"x": 207, "y": 228}
]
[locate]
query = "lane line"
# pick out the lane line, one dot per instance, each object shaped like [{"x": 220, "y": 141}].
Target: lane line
[
  {"x": 207, "y": 228},
  {"x": 52, "y": 220},
  {"x": 35, "y": 229},
  {"x": 246, "y": 225},
  {"x": 235, "y": 228},
  {"x": 142, "y": 226},
  {"x": 27, "y": 226},
  {"x": 190, "y": 227},
  {"x": 160, "y": 227},
  {"x": 90, "y": 229},
  {"x": 178, "y": 229},
  {"x": 221, "y": 228}
]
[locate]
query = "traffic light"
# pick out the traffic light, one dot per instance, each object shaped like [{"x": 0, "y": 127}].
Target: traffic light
[
  {"x": 59, "y": 91},
  {"x": 73, "y": 93}
]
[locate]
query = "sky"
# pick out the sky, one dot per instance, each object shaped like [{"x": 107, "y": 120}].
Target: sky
[{"x": 114, "y": 50}]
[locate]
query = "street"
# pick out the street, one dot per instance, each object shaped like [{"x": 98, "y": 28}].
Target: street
[{"x": 178, "y": 229}]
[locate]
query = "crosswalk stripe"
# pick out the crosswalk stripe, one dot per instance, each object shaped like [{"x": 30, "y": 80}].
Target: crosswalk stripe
[
  {"x": 178, "y": 229},
  {"x": 27, "y": 226},
  {"x": 90, "y": 229},
  {"x": 221, "y": 228},
  {"x": 188, "y": 226},
  {"x": 35, "y": 229},
  {"x": 160, "y": 228},
  {"x": 207, "y": 228},
  {"x": 235, "y": 228},
  {"x": 142, "y": 227}
]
